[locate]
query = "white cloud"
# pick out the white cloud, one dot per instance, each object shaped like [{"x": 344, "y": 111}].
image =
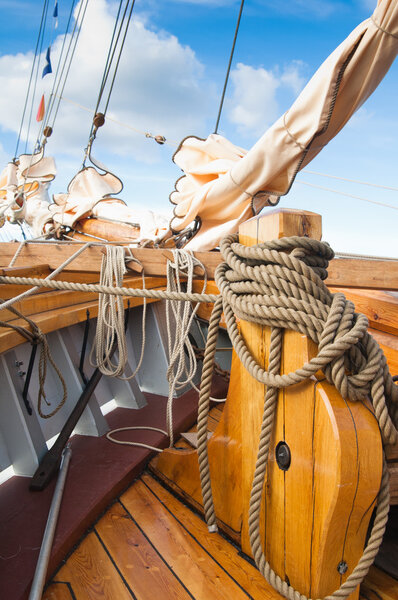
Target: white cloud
[
  {"x": 159, "y": 88},
  {"x": 254, "y": 96},
  {"x": 254, "y": 104}
]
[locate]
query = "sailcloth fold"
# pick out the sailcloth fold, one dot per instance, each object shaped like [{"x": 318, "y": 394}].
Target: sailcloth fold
[
  {"x": 221, "y": 181},
  {"x": 91, "y": 194},
  {"x": 24, "y": 190}
]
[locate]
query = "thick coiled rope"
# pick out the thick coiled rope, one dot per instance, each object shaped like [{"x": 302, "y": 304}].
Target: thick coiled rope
[{"x": 280, "y": 284}]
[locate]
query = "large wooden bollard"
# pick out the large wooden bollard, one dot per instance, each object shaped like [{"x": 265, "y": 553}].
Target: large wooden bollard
[{"x": 318, "y": 502}]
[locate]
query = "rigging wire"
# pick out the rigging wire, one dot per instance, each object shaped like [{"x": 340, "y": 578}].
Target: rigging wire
[
  {"x": 36, "y": 77},
  {"x": 168, "y": 142},
  {"x": 325, "y": 189},
  {"x": 119, "y": 57},
  {"x": 109, "y": 58},
  {"x": 58, "y": 75},
  {"x": 375, "y": 185},
  {"x": 229, "y": 67},
  {"x": 99, "y": 118},
  {"x": 175, "y": 144},
  {"x": 73, "y": 40},
  {"x": 42, "y": 24}
]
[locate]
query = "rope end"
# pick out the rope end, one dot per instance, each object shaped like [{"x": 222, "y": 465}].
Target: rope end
[{"x": 212, "y": 528}]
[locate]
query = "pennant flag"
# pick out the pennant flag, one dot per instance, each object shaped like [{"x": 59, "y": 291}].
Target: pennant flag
[
  {"x": 41, "y": 111},
  {"x": 47, "y": 67},
  {"x": 55, "y": 14}
]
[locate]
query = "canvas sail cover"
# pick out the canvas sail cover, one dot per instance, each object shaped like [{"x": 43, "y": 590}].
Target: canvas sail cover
[
  {"x": 91, "y": 194},
  {"x": 24, "y": 190},
  {"x": 222, "y": 182}
]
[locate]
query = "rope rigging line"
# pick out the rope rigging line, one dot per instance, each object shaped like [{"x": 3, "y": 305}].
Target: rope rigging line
[
  {"x": 229, "y": 67},
  {"x": 118, "y": 291},
  {"x": 265, "y": 285}
]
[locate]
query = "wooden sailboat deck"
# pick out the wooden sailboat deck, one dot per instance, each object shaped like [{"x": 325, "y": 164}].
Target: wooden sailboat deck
[{"x": 149, "y": 545}]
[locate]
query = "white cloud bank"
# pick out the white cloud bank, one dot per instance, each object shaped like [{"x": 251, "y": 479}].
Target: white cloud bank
[
  {"x": 159, "y": 87},
  {"x": 254, "y": 105}
]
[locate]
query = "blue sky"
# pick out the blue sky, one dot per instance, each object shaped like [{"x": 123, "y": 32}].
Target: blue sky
[{"x": 169, "y": 83}]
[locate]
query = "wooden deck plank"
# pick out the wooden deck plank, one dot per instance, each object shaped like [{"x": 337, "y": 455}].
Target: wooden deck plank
[
  {"x": 202, "y": 575},
  {"x": 142, "y": 567},
  {"x": 379, "y": 586},
  {"x": 224, "y": 552},
  {"x": 91, "y": 573},
  {"x": 58, "y": 590}
]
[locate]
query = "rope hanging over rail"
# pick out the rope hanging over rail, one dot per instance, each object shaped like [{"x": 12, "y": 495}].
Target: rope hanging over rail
[
  {"x": 265, "y": 285},
  {"x": 36, "y": 336}
]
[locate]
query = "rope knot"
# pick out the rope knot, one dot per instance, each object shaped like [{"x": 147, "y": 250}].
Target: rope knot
[{"x": 280, "y": 284}]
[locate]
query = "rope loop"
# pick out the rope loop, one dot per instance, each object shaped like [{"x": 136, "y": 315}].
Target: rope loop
[
  {"x": 280, "y": 284},
  {"x": 266, "y": 285}
]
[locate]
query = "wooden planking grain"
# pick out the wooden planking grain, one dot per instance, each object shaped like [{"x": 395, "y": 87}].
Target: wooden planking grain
[
  {"x": 52, "y": 299},
  {"x": 381, "y": 308},
  {"x": 58, "y": 590},
  {"x": 201, "y": 575},
  {"x": 55, "y": 319},
  {"x": 223, "y": 551},
  {"x": 361, "y": 273},
  {"x": 379, "y": 586},
  {"x": 343, "y": 272},
  {"x": 142, "y": 567},
  {"x": 91, "y": 573}
]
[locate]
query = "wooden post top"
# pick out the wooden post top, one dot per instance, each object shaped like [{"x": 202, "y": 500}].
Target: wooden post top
[{"x": 278, "y": 223}]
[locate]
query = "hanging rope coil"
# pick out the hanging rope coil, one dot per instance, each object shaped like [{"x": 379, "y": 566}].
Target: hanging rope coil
[
  {"x": 265, "y": 285},
  {"x": 110, "y": 321},
  {"x": 179, "y": 316},
  {"x": 36, "y": 336}
]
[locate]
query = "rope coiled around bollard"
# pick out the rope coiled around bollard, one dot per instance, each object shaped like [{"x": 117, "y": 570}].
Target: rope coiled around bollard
[{"x": 280, "y": 284}]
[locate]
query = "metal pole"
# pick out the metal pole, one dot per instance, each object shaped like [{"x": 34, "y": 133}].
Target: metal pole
[{"x": 39, "y": 579}]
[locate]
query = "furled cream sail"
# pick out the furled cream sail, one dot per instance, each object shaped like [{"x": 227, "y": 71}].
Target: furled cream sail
[
  {"x": 221, "y": 181},
  {"x": 91, "y": 193},
  {"x": 24, "y": 190}
]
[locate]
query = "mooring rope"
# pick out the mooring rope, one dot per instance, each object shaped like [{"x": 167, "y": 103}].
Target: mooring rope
[{"x": 265, "y": 285}]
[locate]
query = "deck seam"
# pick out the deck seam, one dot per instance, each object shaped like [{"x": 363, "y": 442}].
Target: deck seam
[
  {"x": 156, "y": 550},
  {"x": 114, "y": 564},
  {"x": 68, "y": 585},
  {"x": 197, "y": 541}
]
